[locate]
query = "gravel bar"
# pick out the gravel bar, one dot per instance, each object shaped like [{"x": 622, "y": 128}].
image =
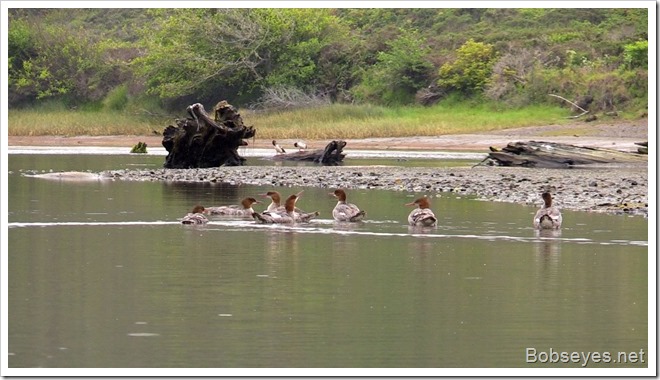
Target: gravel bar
[{"x": 616, "y": 190}]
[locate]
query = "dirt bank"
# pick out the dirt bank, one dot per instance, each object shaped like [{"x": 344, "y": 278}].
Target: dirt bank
[{"x": 619, "y": 135}]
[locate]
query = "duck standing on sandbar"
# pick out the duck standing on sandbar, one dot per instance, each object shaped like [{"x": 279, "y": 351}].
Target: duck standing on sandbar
[
  {"x": 344, "y": 211},
  {"x": 422, "y": 216},
  {"x": 196, "y": 216},
  {"x": 244, "y": 209},
  {"x": 278, "y": 148},
  {"x": 300, "y": 145},
  {"x": 549, "y": 216}
]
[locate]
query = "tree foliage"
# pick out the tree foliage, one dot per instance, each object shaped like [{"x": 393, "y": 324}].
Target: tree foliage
[
  {"x": 471, "y": 70},
  {"x": 379, "y": 55},
  {"x": 399, "y": 71}
]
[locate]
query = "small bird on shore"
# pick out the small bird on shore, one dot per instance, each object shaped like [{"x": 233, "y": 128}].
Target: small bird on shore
[
  {"x": 549, "y": 216},
  {"x": 278, "y": 148},
  {"x": 244, "y": 209},
  {"x": 300, "y": 145},
  {"x": 422, "y": 216},
  {"x": 196, "y": 216},
  {"x": 344, "y": 211}
]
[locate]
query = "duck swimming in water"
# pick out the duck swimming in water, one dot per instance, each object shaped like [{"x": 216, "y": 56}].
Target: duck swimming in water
[
  {"x": 196, "y": 216},
  {"x": 344, "y": 211},
  {"x": 289, "y": 216},
  {"x": 422, "y": 216},
  {"x": 275, "y": 202},
  {"x": 549, "y": 216},
  {"x": 278, "y": 148},
  {"x": 244, "y": 209}
]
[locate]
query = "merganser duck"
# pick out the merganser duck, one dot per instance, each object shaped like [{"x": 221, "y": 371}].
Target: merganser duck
[
  {"x": 289, "y": 216},
  {"x": 300, "y": 145},
  {"x": 422, "y": 216},
  {"x": 275, "y": 204},
  {"x": 196, "y": 216},
  {"x": 346, "y": 212},
  {"x": 244, "y": 209},
  {"x": 548, "y": 217},
  {"x": 278, "y": 148}
]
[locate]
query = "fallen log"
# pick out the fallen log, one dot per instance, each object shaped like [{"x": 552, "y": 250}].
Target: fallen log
[
  {"x": 201, "y": 142},
  {"x": 331, "y": 155},
  {"x": 643, "y": 147},
  {"x": 540, "y": 154}
]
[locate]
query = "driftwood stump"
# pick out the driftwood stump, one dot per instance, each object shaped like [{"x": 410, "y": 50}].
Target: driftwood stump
[
  {"x": 331, "y": 155},
  {"x": 200, "y": 142},
  {"x": 539, "y": 154}
]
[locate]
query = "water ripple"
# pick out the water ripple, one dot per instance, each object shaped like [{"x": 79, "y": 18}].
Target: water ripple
[{"x": 329, "y": 227}]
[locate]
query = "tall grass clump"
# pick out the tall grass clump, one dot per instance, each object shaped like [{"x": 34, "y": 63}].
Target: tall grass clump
[
  {"x": 117, "y": 98},
  {"x": 116, "y": 114},
  {"x": 80, "y": 123}
]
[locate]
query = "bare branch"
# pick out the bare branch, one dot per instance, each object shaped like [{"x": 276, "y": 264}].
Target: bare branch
[{"x": 566, "y": 100}]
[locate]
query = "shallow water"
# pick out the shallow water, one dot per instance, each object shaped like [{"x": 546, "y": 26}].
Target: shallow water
[{"x": 101, "y": 274}]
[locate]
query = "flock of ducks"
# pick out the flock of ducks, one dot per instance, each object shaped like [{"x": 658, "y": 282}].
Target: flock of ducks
[
  {"x": 288, "y": 213},
  {"x": 548, "y": 217}
]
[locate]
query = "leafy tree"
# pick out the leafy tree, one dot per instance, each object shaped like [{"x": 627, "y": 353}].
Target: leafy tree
[
  {"x": 381, "y": 55},
  {"x": 399, "y": 71},
  {"x": 56, "y": 60},
  {"x": 216, "y": 53},
  {"x": 636, "y": 54},
  {"x": 471, "y": 70}
]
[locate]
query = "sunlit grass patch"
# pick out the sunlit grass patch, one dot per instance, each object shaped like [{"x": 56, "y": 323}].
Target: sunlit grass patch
[{"x": 337, "y": 121}]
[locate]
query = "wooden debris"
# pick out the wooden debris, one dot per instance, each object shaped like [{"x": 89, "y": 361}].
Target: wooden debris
[
  {"x": 201, "y": 142},
  {"x": 540, "y": 154},
  {"x": 584, "y": 112},
  {"x": 331, "y": 155},
  {"x": 643, "y": 147}
]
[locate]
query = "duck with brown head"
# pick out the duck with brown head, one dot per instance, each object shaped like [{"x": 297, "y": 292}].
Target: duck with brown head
[
  {"x": 244, "y": 209},
  {"x": 422, "y": 216},
  {"x": 275, "y": 202},
  {"x": 548, "y": 217},
  {"x": 344, "y": 211},
  {"x": 196, "y": 216},
  {"x": 288, "y": 216}
]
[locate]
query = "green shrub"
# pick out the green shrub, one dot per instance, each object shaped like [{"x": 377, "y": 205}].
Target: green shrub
[
  {"x": 471, "y": 70},
  {"x": 398, "y": 73},
  {"x": 636, "y": 55},
  {"x": 117, "y": 98}
]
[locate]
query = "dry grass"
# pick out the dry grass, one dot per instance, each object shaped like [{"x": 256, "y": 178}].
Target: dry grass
[{"x": 328, "y": 122}]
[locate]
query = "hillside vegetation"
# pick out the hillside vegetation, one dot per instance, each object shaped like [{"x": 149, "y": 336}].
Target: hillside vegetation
[{"x": 154, "y": 62}]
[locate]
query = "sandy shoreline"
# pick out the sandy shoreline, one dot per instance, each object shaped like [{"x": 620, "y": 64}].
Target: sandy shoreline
[{"x": 622, "y": 136}]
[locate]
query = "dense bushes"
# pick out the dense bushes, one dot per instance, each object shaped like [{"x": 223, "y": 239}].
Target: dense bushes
[{"x": 517, "y": 57}]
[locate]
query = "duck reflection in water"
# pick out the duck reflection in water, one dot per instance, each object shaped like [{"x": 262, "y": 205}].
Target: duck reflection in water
[{"x": 548, "y": 249}]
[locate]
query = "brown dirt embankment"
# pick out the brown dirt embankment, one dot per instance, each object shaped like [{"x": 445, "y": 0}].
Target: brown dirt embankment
[{"x": 616, "y": 135}]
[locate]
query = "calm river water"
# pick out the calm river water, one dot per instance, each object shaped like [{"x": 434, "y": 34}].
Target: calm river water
[{"x": 101, "y": 274}]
